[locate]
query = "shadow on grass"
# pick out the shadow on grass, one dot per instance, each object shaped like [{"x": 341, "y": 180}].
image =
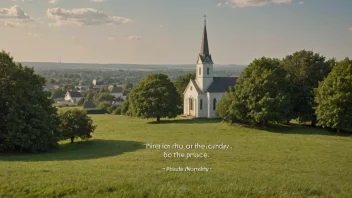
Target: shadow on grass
[
  {"x": 83, "y": 150},
  {"x": 300, "y": 129},
  {"x": 187, "y": 121}
]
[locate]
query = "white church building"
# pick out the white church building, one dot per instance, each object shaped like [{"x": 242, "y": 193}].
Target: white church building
[{"x": 202, "y": 94}]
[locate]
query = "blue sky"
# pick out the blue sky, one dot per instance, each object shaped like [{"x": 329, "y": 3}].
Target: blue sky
[{"x": 169, "y": 31}]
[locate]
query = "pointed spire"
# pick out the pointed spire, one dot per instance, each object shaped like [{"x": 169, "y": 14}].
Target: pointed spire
[{"x": 204, "y": 51}]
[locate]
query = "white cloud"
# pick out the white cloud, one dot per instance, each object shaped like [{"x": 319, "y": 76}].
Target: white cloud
[
  {"x": 84, "y": 16},
  {"x": 53, "y": 1},
  {"x": 254, "y": 3},
  {"x": 301, "y": 2},
  {"x": 219, "y": 4},
  {"x": 15, "y": 12},
  {"x": 136, "y": 38},
  {"x": 111, "y": 38},
  {"x": 10, "y": 24}
]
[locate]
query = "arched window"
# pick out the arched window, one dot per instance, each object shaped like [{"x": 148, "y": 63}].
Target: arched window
[
  {"x": 200, "y": 71},
  {"x": 201, "y": 104},
  {"x": 214, "y": 104},
  {"x": 208, "y": 71}
]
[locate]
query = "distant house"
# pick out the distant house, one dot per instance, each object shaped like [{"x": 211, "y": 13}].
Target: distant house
[
  {"x": 97, "y": 82},
  {"x": 49, "y": 87},
  {"x": 82, "y": 87},
  {"x": 98, "y": 86},
  {"x": 59, "y": 99},
  {"x": 117, "y": 91},
  {"x": 73, "y": 96}
]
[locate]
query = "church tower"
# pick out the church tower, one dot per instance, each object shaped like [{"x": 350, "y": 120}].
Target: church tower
[{"x": 204, "y": 76}]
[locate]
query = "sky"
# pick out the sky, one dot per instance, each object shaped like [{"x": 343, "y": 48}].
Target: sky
[{"x": 170, "y": 31}]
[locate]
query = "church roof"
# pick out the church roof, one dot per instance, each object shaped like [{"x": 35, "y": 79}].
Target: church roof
[
  {"x": 75, "y": 94},
  {"x": 196, "y": 86},
  {"x": 222, "y": 84}
]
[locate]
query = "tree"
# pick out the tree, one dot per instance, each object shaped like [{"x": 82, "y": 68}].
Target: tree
[
  {"x": 155, "y": 97},
  {"x": 181, "y": 82},
  {"x": 28, "y": 120},
  {"x": 305, "y": 70},
  {"x": 334, "y": 97},
  {"x": 105, "y": 105},
  {"x": 125, "y": 108},
  {"x": 259, "y": 96},
  {"x": 75, "y": 123},
  {"x": 117, "y": 111},
  {"x": 127, "y": 87},
  {"x": 104, "y": 97},
  {"x": 57, "y": 93}
]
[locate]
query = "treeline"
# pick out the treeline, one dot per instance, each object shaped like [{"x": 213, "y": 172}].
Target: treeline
[
  {"x": 28, "y": 119},
  {"x": 302, "y": 86}
]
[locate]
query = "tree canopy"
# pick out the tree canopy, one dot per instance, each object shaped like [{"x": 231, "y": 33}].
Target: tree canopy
[
  {"x": 28, "y": 119},
  {"x": 259, "y": 96},
  {"x": 334, "y": 97},
  {"x": 154, "y": 97},
  {"x": 75, "y": 124},
  {"x": 305, "y": 70}
]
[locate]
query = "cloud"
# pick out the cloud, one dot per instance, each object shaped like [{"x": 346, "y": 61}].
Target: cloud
[
  {"x": 111, "y": 38},
  {"x": 15, "y": 12},
  {"x": 10, "y": 24},
  {"x": 301, "y": 2},
  {"x": 53, "y": 1},
  {"x": 84, "y": 16},
  {"x": 136, "y": 38},
  {"x": 350, "y": 28},
  {"x": 254, "y": 3},
  {"x": 219, "y": 4}
]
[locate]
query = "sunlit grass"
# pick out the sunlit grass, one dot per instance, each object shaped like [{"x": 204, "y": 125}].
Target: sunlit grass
[{"x": 296, "y": 161}]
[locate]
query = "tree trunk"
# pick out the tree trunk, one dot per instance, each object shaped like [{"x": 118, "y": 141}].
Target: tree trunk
[
  {"x": 314, "y": 121},
  {"x": 72, "y": 139},
  {"x": 338, "y": 130},
  {"x": 287, "y": 122},
  {"x": 158, "y": 119}
]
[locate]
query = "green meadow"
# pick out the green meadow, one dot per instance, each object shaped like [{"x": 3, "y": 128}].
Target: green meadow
[{"x": 288, "y": 161}]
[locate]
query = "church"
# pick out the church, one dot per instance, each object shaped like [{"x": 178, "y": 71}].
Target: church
[{"x": 202, "y": 94}]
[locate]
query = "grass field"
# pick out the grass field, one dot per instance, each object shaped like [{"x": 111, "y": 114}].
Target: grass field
[{"x": 283, "y": 162}]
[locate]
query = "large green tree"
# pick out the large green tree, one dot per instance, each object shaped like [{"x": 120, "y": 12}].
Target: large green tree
[
  {"x": 305, "y": 70},
  {"x": 75, "y": 124},
  {"x": 28, "y": 121},
  {"x": 259, "y": 96},
  {"x": 155, "y": 97},
  {"x": 334, "y": 97}
]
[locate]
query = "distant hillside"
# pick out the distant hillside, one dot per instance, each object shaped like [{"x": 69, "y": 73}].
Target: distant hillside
[{"x": 55, "y": 66}]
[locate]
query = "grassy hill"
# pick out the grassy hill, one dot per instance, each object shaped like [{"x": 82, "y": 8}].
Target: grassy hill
[{"x": 283, "y": 162}]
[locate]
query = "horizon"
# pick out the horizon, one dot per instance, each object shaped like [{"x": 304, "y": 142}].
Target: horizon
[{"x": 155, "y": 33}]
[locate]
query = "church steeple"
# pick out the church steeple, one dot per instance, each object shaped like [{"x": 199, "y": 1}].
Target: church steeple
[
  {"x": 204, "y": 70},
  {"x": 204, "y": 51}
]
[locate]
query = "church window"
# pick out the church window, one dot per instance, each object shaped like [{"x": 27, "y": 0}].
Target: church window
[
  {"x": 200, "y": 71},
  {"x": 214, "y": 104},
  {"x": 191, "y": 88},
  {"x": 191, "y": 104},
  {"x": 201, "y": 104},
  {"x": 208, "y": 71}
]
